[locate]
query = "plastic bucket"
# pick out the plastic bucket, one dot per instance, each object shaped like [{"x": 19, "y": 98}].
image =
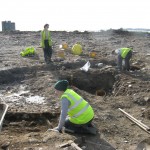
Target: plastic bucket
[
  {"x": 77, "y": 49},
  {"x": 61, "y": 54},
  {"x": 92, "y": 54},
  {"x": 65, "y": 46}
]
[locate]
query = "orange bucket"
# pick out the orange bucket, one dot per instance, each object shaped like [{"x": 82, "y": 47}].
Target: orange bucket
[
  {"x": 92, "y": 54},
  {"x": 65, "y": 46}
]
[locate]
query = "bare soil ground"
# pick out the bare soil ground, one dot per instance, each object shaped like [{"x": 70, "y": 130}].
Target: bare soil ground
[{"x": 26, "y": 85}]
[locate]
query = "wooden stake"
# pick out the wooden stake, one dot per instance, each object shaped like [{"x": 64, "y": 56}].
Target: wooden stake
[{"x": 137, "y": 122}]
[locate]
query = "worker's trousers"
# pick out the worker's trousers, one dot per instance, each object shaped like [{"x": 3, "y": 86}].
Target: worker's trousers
[
  {"x": 47, "y": 51},
  {"x": 78, "y": 128},
  {"x": 126, "y": 60}
]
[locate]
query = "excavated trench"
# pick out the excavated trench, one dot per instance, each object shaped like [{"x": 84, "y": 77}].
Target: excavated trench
[
  {"x": 97, "y": 81},
  {"x": 35, "y": 122}
]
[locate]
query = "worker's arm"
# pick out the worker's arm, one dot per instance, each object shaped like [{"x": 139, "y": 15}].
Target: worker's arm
[{"x": 64, "y": 109}]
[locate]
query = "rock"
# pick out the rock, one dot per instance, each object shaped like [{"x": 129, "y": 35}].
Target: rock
[
  {"x": 138, "y": 100},
  {"x": 100, "y": 65},
  {"x": 33, "y": 140},
  {"x": 36, "y": 129},
  {"x": 143, "y": 109},
  {"x": 28, "y": 148},
  {"x": 148, "y": 54},
  {"x": 32, "y": 134},
  {"x": 83, "y": 147},
  {"x": 5, "y": 145},
  {"x": 147, "y": 99},
  {"x": 129, "y": 85}
]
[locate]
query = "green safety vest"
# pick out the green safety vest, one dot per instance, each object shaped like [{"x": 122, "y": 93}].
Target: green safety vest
[
  {"x": 124, "y": 52},
  {"x": 44, "y": 37},
  {"x": 80, "y": 112}
]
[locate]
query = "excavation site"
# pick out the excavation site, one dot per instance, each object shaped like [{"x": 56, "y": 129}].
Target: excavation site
[{"x": 29, "y": 105}]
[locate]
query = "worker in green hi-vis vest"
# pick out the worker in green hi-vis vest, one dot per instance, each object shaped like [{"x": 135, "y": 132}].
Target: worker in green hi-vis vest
[{"x": 125, "y": 54}]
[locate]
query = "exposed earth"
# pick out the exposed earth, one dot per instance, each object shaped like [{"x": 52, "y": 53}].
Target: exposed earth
[{"x": 26, "y": 85}]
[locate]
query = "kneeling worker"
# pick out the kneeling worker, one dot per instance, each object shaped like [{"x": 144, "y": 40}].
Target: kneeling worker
[
  {"x": 126, "y": 54},
  {"x": 80, "y": 113}
]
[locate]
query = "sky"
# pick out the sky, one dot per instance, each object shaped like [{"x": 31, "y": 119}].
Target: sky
[{"x": 70, "y": 15}]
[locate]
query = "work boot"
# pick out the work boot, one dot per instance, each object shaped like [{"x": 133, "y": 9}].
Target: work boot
[
  {"x": 90, "y": 130},
  {"x": 66, "y": 130}
]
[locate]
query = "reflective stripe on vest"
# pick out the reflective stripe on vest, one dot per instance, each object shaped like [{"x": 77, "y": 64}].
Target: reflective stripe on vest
[
  {"x": 77, "y": 103},
  {"x": 81, "y": 111}
]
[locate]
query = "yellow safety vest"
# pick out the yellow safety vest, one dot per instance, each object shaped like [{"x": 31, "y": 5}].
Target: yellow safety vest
[
  {"x": 80, "y": 112},
  {"x": 124, "y": 52},
  {"x": 44, "y": 37}
]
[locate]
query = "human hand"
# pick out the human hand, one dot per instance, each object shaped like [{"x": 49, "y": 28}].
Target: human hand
[{"x": 56, "y": 129}]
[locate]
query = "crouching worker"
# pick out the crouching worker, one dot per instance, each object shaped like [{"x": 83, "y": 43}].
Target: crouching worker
[
  {"x": 126, "y": 54},
  {"x": 80, "y": 113}
]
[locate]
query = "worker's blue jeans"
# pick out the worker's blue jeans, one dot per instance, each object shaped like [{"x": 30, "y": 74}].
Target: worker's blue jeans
[
  {"x": 127, "y": 61},
  {"x": 77, "y": 128}
]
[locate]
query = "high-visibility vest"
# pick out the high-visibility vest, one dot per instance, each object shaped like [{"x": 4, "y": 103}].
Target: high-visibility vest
[
  {"x": 28, "y": 51},
  {"x": 43, "y": 34},
  {"x": 79, "y": 111},
  {"x": 124, "y": 52}
]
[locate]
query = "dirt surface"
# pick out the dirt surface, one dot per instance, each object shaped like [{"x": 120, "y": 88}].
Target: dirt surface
[{"x": 26, "y": 85}]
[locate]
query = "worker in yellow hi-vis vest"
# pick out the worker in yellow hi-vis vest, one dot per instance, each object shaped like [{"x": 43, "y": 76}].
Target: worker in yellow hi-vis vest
[
  {"x": 79, "y": 111},
  {"x": 46, "y": 44},
  {"x": 125, "y": 54}
]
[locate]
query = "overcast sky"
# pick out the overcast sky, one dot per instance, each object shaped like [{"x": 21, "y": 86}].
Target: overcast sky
[{"x": 31, "y": 15}]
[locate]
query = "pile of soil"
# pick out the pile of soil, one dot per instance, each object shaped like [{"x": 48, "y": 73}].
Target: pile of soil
[{"x": 27, "y": 88}]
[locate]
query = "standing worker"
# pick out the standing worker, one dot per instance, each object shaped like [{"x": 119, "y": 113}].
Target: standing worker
[
  {"x": 80, "y": 113},
  {"x": 46, "y": 44},
  {"x": 123, "y": 53}
]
